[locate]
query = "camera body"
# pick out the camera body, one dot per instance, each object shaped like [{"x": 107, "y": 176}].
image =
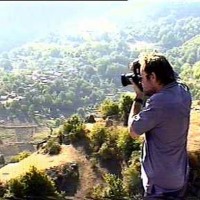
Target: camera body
[{"x": 135, "y": 75}]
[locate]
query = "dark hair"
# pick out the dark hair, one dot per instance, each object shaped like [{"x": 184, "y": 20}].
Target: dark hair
[{"x": 158, "y": 64}]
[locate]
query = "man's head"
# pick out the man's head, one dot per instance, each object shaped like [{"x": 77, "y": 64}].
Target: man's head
[{"x": 156, "y": 72}]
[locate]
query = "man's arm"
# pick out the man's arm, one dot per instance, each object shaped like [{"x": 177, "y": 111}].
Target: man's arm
[{"x": 135, "y": 109}]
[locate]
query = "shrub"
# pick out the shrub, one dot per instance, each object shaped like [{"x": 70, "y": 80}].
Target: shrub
[
  {"x": 3, "y": 188},
  {"x": 108, "y": 107},
  {"x": 126, "y": 143},
  {"x": 109, "y": 149},
  {"x": 131, "y": 176},
  {"x": 16, "y": 188},
  {"x": 114, "y": 189},
  {"x": 52, "y": 147},
  {"x": 20, "y": 156},
  {"x": 74, "y": 128},
  {"x": 107, "y": 152},
  {"x": 72, "y": 124},
  {"x": 97, "y": 136},
  {"x": 32, "y": 184},
  {"x": 125, "y": 103},
  {"x": 109, "y": 142},
  {"x": 96, "y": 193}
]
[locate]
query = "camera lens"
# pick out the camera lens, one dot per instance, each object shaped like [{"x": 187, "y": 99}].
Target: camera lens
[{"x": 125, "y": 79}]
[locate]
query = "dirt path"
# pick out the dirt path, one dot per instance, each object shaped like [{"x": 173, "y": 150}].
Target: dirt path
[{"x": 88, "y": 178}]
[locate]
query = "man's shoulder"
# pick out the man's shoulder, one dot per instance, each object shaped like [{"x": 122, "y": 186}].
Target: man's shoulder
[
  {"x": 169, "y": 96},
  {"x": 157, "y": 98}
]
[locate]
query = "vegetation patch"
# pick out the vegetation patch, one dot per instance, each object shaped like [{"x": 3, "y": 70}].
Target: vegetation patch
[
  {"x": 52, "y": 147},
  {"x": 65, "y": 177},
  {"x": 33, "y": 184},
  {"x": 20, "y": 156}
]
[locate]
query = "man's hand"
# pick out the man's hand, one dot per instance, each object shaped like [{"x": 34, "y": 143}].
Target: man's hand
[{"x": 139, "y": 93}]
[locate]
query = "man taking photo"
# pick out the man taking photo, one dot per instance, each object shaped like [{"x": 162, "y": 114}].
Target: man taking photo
[{"x": 164, "y": 120}]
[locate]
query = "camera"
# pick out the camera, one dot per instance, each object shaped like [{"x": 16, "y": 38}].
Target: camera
[{"x": 135, "y": 75}]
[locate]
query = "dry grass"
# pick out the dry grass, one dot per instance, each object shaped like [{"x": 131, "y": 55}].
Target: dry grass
[
  {"x": 194, "y": 132},
  {"x": 68, "y": 154},
  {"x": 40, "y": 161}
]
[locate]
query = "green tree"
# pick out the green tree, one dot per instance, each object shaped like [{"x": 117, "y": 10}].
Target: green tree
[
  {"x": 109, "y": 107},
  {"x": 125, "y": 103},
  {"x": 114, "y": 189},
  {"x": 32, "y": 184}
]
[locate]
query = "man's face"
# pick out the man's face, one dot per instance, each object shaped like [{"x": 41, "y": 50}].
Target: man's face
[{"x": 148, "y": 83}]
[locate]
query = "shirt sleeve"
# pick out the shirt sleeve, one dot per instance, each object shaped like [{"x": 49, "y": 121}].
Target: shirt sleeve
[{"x": 148, "y": 118}]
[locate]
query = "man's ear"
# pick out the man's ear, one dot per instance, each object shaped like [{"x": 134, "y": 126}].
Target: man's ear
[{"x": 153, "y": 76}]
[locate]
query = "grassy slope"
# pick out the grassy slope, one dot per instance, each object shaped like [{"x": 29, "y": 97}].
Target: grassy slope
[
  {"x": 194, "y": 130},
  {"x": 70, "y": 154}
]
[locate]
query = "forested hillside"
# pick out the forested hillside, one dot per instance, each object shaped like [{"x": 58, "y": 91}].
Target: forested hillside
[
  {"x": 65, "y": 81},
  {"x": 61, "y": 74}
]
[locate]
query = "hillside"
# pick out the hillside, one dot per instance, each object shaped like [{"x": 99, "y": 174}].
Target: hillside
[
  {"x": 194, "y": 136},
  {"x": 70, "y": 154},
  {"x": 43, "y": 78}
]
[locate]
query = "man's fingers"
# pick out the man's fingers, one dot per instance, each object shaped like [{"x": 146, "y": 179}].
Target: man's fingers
[{"x": 135, "y": 87}]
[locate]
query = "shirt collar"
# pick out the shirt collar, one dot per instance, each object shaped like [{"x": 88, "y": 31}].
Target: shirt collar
[{"x": 172, "y": 84}]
